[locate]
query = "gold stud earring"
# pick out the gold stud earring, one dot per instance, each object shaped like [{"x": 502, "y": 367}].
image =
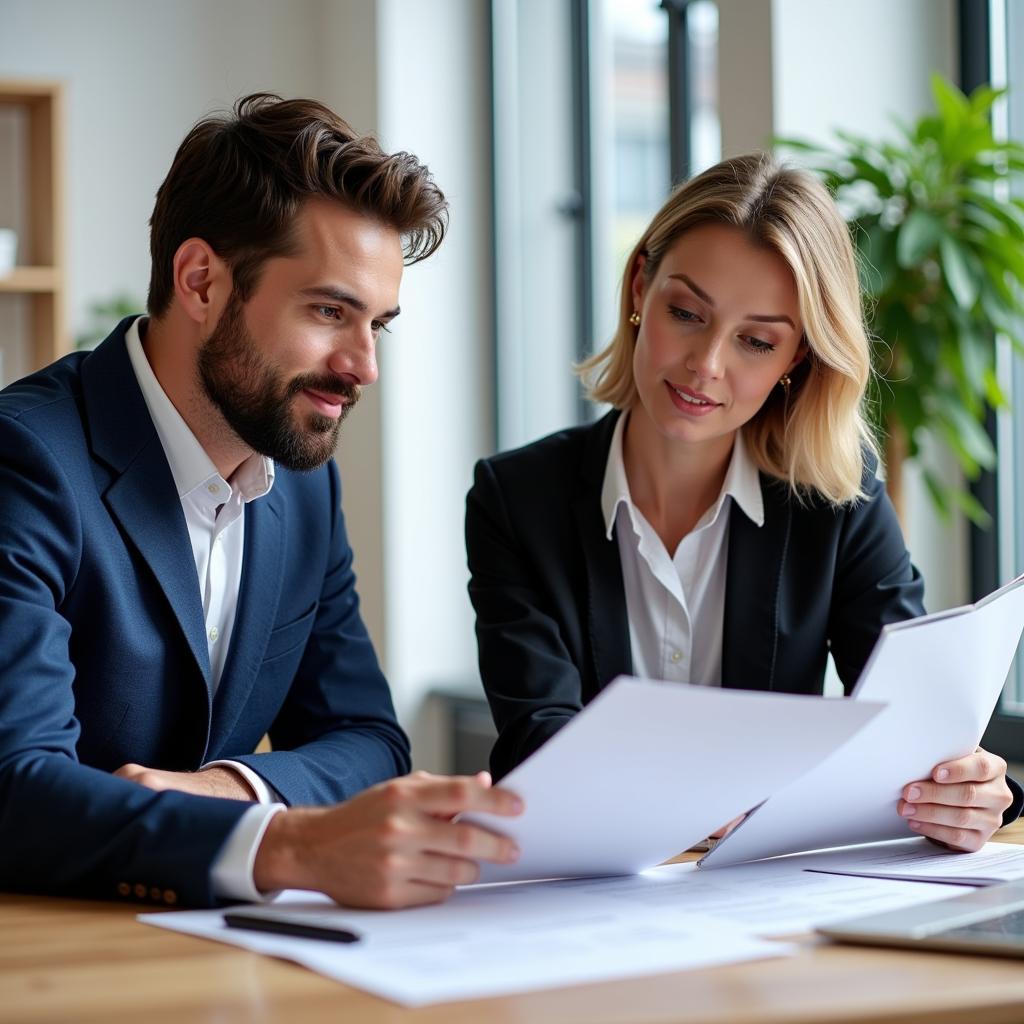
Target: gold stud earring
[
  {"x": 785, "y": 381},
  {"x": 635, "y": 319}
]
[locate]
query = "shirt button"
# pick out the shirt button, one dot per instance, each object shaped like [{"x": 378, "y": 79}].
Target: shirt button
[
  {"x": 212, "y": 488},
  {"x": 677, "y": 656},
  {"x": 213, "y": 634}
]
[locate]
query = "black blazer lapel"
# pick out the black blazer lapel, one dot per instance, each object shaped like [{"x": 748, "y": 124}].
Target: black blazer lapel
[
  {"x": 605, "y": 600},
  {"x": 142, "y": 497},
  {"x": 753, "y": 583}
]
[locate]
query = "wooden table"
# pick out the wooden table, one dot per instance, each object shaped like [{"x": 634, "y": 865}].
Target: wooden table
[{"x": 75, "y": 961}]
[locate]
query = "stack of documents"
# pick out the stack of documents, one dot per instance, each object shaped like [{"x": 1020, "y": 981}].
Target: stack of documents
[
  {"x": 649, "y": 769},
  {"x": 939, "y": 677}
]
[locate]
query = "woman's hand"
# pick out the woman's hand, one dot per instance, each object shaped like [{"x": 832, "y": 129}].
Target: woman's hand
[{"x": 963, "y": 802}]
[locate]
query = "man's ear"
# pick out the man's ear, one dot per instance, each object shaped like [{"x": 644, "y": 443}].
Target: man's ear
[
  {"x": 639, "y": 282},
  {"x": 202, "y": 281}
]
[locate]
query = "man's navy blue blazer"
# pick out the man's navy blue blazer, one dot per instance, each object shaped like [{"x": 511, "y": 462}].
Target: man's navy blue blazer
[{"x": 103, "y": 653}]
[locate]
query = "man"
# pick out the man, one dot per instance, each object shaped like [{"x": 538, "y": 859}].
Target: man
[{"x": 175, "y": 578}]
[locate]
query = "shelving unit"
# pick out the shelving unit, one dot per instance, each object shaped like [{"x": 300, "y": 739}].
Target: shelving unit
[{"x": 37, "y": 133}]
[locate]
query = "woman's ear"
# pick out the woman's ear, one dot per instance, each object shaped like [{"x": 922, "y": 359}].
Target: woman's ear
[
  {"x": 801, "y": 354},
  {"x": 639, "y": 283}
]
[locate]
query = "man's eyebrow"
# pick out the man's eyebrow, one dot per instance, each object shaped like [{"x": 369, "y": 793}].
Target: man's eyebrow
[
  {"x": 704, "y": 297},
  {"x": 332, "y": 294}
]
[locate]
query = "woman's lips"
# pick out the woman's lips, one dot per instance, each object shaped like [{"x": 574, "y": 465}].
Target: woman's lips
[{"x": 693, "y": 403}]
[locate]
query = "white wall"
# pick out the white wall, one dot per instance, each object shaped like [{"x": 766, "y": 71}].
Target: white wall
[
  {"x": 436, "y": 368},
  {"x": 138, "y": 74}
]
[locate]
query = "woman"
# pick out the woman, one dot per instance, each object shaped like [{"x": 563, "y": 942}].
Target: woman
[{"x": 724, "y": 524}]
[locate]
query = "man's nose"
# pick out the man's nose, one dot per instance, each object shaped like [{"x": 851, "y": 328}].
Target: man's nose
[{"x": 356, "y": 358}]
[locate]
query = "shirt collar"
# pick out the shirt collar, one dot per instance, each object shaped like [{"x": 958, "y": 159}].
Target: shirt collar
[
  {"x": 742, "y": 483},
  {"x": 192, "y": 469}
]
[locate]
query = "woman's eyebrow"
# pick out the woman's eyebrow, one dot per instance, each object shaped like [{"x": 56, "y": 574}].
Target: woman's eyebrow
[{"x": 761, "y": 318}]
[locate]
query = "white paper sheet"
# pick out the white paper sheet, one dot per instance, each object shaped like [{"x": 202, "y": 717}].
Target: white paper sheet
[
  {"x": 940, "y": 677},
  {"x": 918, "y": 860},
  {"x": 491, "y": 940},
  {"x": 495, "y": 940},
  {"x": 648, "y": 769},
  {"x": 769, "y": 898}
]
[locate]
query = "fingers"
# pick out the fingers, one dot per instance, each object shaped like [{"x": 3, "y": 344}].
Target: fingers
[
  {"x": 978, "y": 780},
  {"x": 956, "y": 816},
  {"x": 981, "y": 766},
  {"x": 448, "y": 796},
  {"x": 962, "y": 840},
  {"x": 962, "y": 805},
  {"x": 466, "y": 842}
]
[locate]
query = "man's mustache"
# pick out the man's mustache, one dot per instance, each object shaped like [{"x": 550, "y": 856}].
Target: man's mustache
[{"x": 327, "y": 385}]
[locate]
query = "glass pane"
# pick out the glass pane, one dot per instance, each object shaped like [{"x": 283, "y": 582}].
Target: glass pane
[
  {"x": 638, "y": 174},
  {"x": 1011, "y": 47},
  {"x": 705, "y": 126}
]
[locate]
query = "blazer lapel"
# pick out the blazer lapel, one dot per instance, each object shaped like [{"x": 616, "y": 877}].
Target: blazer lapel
[
  {"x": 756, "y": 562},
  {"x": 606, "y": 617},
  {"x": 142, "y": 497},
  {"x": 259, "y": 591}
]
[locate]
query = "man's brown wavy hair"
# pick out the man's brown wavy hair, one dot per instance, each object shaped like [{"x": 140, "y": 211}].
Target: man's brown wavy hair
[{"x": 238, "y": 180}]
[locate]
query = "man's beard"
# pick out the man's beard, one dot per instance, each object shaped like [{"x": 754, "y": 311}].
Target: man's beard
[{"x": 258, "y": 405}]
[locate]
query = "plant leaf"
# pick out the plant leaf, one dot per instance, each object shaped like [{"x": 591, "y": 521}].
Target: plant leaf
[
  {"x": 970, "y": 506},
  {"x": 962, "y": 282},
  {"x": 938, "y": 493},
  {"x": 972, "y": 437},
  {"x": 919, "y": 234}
]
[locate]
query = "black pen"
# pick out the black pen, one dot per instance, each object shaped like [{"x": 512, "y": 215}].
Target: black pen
[{"x": 281, "y": 925}]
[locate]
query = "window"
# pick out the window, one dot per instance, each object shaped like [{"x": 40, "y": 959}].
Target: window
[
  {"x": 1006, "y": 40},
  {"x": 590, "y": 106}
]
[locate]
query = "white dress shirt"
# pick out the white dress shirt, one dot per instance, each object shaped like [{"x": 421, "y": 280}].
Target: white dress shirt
[
  {"x": 676, "y": 602},
  {"x": 214, "y": 510}
]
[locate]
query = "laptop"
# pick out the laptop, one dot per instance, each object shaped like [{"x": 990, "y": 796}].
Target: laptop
[{"x": 985, "y": 920}]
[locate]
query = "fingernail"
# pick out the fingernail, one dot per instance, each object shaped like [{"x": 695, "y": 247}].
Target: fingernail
[
  {"x": 909, "y": 811},
  {"x": 914, "y": 793},
  {"x": 942, "y": 774},
  {"x": 516, "y": 805},
  {"x": 916, "y": 825}
]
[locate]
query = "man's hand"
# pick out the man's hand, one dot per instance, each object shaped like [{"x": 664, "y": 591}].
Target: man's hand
[
  {"x": 963, "y": 802},
  {"x": 394, "y": 845},
  {"x": 218, "y": 781}
]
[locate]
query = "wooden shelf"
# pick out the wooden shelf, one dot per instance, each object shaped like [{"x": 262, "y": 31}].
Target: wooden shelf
[
  {"x": 31, "y": 279},
  {"x": 41, "y": 280}
]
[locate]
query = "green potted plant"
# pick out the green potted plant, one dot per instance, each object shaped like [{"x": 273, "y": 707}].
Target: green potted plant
[{"x": 941, "y": 247}]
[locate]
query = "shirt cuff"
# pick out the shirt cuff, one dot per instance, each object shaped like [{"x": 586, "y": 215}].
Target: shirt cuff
[
  {"x": 231, "y": 873},
  {"x": 265, "y": 793}
]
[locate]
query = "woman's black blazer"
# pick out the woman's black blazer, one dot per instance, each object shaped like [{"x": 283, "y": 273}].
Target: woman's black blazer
[{"x": 547, "y": 587}]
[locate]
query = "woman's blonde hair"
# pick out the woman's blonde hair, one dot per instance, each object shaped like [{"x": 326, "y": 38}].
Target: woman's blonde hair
[{"x": 815, "y": 437}]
